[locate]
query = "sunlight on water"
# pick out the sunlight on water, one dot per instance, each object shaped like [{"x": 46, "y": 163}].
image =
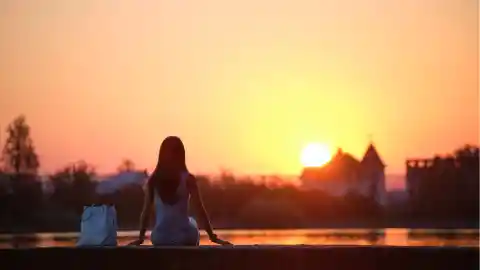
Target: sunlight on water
[{"x": 389, "y": 237}]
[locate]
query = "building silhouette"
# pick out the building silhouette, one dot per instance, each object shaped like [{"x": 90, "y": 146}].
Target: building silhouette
[
  {"x": 345, "y": 174},
  {"x": 452, "y": 174},
  {"x": 417, "y": 170}
]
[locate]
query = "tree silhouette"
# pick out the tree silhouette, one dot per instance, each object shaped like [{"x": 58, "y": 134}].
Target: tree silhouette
[
  {"x": 18, "y": 155},
  {"x": 74, "y": 185},
  {"x": 126, "y": 166}
]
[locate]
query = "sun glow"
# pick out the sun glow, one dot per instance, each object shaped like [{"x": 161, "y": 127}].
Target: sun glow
[{"x": 315, "y": 155}]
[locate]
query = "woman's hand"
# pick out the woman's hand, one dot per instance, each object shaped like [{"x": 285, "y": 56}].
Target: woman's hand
[{"x": 214, "y": 238}]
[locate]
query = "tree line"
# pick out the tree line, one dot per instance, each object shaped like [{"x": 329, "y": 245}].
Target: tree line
[{"x": 26, "y": 205}]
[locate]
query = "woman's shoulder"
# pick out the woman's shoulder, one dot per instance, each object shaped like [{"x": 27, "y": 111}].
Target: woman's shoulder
[
  {"x": 189, "y": 177},
  {"x": 190, "y": 180}
]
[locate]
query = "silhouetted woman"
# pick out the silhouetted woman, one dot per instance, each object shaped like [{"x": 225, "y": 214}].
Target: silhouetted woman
[{"x": 170, "y": 188}]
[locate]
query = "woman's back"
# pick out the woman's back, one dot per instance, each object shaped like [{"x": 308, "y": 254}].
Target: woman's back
[{"x": 173, "y": 226}]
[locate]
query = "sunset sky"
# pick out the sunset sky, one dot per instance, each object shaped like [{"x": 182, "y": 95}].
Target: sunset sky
[{"x": 246, "y": 84}]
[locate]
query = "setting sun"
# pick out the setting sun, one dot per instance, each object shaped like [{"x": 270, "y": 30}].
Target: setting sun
[{"x": 315, "y": 155}]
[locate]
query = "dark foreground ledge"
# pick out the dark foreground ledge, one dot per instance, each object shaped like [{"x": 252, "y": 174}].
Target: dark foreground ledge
[{"x": 244, "y": 257}]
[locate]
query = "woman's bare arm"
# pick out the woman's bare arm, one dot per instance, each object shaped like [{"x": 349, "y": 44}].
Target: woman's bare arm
[
  {"x": 198, "y": 205},
  {"x": 147, "y": 209}
]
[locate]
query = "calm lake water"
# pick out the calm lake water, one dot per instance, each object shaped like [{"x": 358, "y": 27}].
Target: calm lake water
[{"x": 389, "y": 237}]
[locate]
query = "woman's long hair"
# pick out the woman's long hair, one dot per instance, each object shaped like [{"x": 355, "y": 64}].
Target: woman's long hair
[{"x": 171, "y": 165}]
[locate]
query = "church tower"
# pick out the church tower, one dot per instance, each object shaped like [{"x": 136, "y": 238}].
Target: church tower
[{"x": 373, "y": 174}]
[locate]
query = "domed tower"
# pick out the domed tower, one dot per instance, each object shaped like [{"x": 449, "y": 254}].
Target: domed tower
[{"x": 373, "y": 175}]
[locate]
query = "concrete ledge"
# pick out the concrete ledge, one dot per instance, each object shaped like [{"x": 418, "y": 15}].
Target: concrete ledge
[{"x": 244, "y": 257}]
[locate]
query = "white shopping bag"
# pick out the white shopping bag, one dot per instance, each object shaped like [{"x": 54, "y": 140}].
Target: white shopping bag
[{"x": 99, "y": 226}]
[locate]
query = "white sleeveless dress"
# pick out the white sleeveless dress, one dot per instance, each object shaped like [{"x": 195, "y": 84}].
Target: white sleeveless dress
[{"x": 173, "y": 226}]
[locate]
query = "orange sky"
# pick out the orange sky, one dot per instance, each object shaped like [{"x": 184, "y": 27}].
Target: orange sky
[{"x": 244, "y": 83}]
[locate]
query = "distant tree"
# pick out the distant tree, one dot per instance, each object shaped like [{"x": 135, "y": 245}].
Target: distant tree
[
  {"x": 467, "y": 151},
  {"x": 62, "y": 186},
  {"x": 74, "y": 185},
  {"x": 18, "y": 155},
  {"x": 83, "y": 168},
  {"x": 127, "y": 165},
  {"x": 226, "y": 178},
  {"x": 83, "y": 183},
  {"x": 468, "y": 157}
]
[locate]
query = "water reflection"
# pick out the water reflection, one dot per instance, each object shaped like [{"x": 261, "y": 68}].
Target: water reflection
[
  {"x": 389, "y": 237},
  {"x": 24, "y": 241},
  {"x": 396, "y": 237}
]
